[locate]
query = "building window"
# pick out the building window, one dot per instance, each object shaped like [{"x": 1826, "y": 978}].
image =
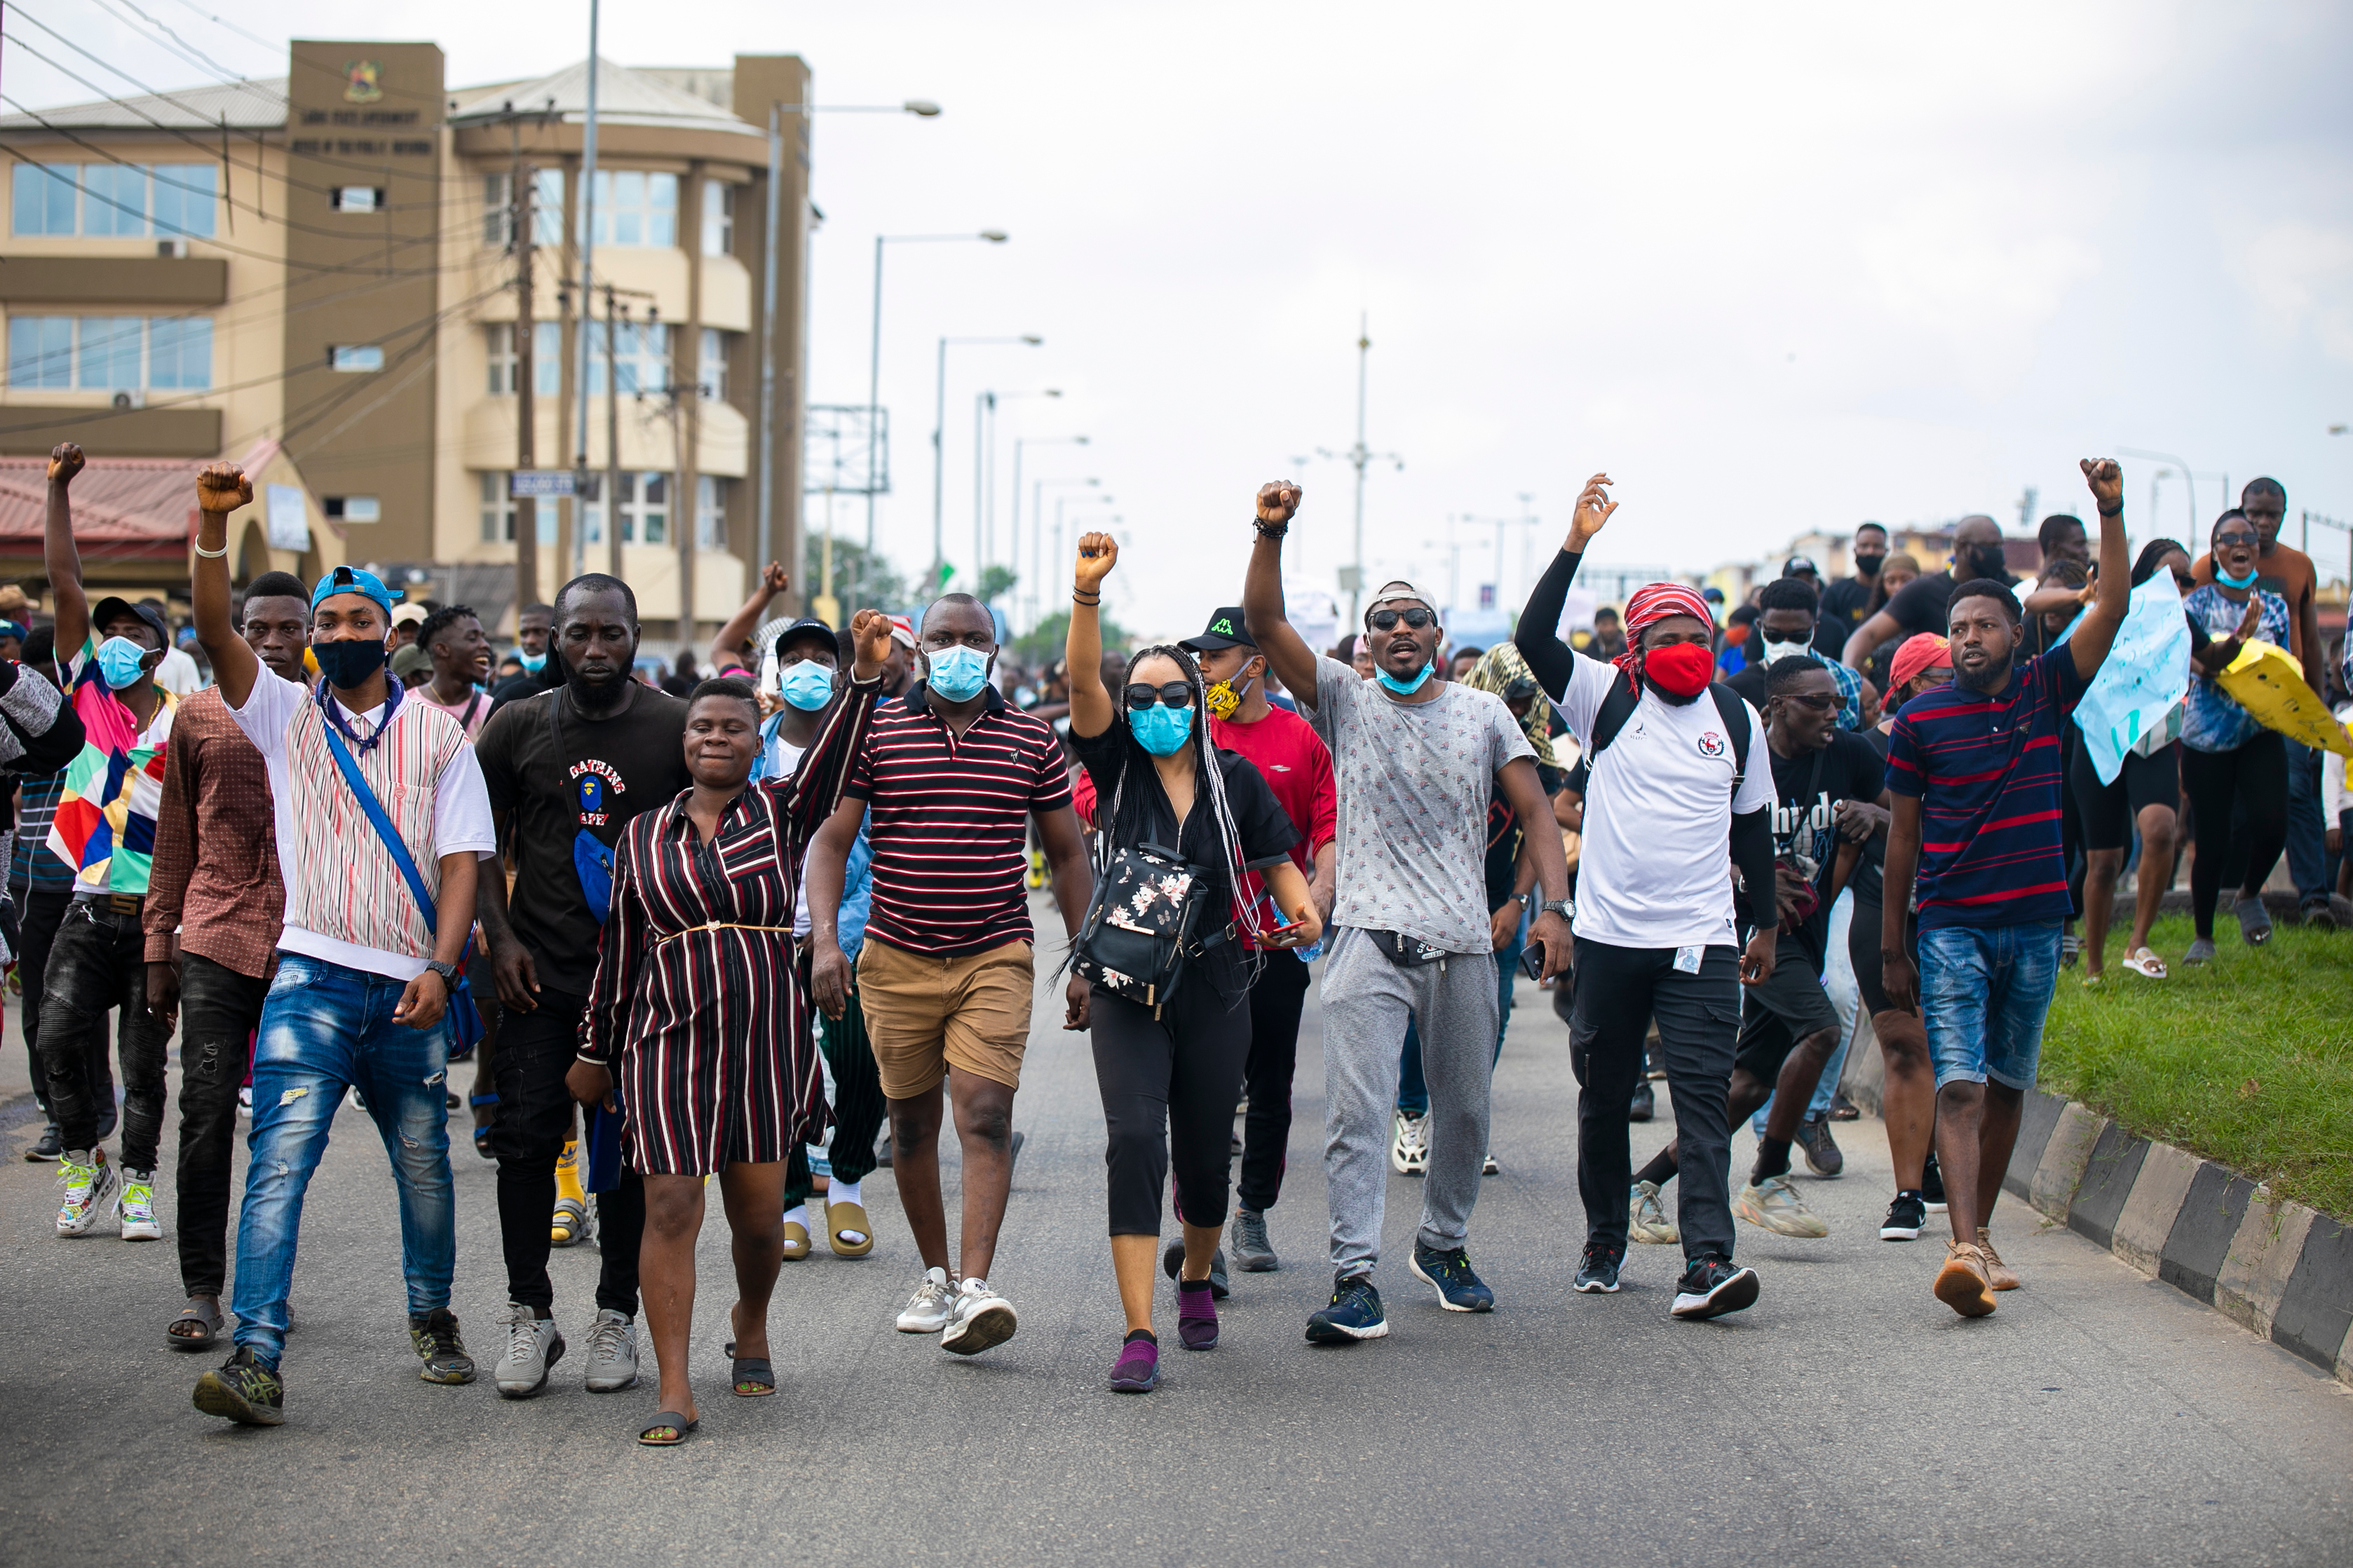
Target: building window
[
  {"x": 547, "y": 358},
  {"x": 358, "y": 199},
  {"x": 644, "y": 510},
  {"x": 110, "y": 353},
  {"x": 712, "y": 374},
  {"x": 640, "y": 357},
  {"x": 500, "y": 511},
  {"x": 356, "y": 358},
  {"x": 354, "y": 509},
  {"x": 718, "y": 218},
  {"x": 546, "y": 208},
  {"x": 710, "y": 512},
  {"x": 114, "y": 200},
  {"x": 636, "y": 208}
]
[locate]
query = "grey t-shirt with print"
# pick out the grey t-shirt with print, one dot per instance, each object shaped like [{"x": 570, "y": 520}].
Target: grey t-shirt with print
[{"x": 1415, "y": 780}]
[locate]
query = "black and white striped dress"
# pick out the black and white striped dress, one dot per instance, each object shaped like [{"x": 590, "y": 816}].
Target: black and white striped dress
[{"x": 695, "y": 1005}]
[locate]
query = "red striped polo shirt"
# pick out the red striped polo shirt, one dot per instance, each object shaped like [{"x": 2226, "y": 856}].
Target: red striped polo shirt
[
  {"x": 948, "y": 819},
  {"x": 1987, "y": 769}
]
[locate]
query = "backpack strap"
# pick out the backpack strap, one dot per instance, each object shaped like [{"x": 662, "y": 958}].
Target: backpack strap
[
  {"x": 1618, "y": 705},
  {"x": 1735, "y": 712}
]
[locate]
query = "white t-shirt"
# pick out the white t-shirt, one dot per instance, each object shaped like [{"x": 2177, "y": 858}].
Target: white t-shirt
[
  {"x": 461, "y": 815},
  {"x": 178, "y": 673},
  {"x": 1656, "y": 867},
  {"x": 781, "y": 760}
]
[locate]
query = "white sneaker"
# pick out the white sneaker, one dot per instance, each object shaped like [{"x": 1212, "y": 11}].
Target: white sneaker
[
  {"x": 1774, "y": 1205},
  {"x": 136, "y": 1206},
  {"x": 612, "y": 1353},
  {"x": 1409, "y": 1143},
  {"x": 980, "y": 1318},
  {"x": 928, "y": 1310},
  {"x": 1646, "y": 1217},
  {"x": 532, "y": 1347},
  {"x": 87, "y": 1179}
]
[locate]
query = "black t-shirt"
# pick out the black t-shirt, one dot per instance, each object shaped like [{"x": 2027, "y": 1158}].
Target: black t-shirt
[
  {"x": 1505, "y": 833},
  {"x": 1869, "y": 871},
  {"x": 550, "y": 784},
  {"x": 1842, "y": 610},
  {"x": 1806, "y": 788},
  {"x": 528, "y": 683},
  {"x": 1923, "y": 604}
]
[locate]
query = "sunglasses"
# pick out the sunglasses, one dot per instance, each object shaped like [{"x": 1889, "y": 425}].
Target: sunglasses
[
  {"x": 1175, "y": 694},
  {"x": 1386, "y": 620},
  {"x": 2234, "y": 538},
  {"x": 1820, "y": 701}
]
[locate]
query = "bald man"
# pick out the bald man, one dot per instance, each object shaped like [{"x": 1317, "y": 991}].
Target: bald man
[{"x": 1919, "y": 605}]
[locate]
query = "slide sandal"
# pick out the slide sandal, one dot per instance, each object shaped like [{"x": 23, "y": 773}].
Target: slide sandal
[
  {"x": 796, "y": 1241},
  {"x": 847, "y": 1219},
  {"x": 483, "y": 1133},
  {"x": 754, "y": 1378},
  {"x": 208, "y": 1323},
  {"x": 668, "y": 1430},
  {"x": 2144, "y": 961}
]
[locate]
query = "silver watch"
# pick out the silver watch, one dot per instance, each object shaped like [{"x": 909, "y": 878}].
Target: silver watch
[{"x": 1560, "y": 907}]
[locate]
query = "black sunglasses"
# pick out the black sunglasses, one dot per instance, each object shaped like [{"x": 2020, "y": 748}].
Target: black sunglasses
[
  {"x": 1177, "y": 694},
  {"x": 1386, "y": 620},
  {"x": 2235, "y": 538},
  {"x": 1820, "y": 701}
]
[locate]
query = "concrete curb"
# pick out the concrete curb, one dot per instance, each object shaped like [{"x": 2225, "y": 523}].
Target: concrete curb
[{"x": 2279, "y": 1269}]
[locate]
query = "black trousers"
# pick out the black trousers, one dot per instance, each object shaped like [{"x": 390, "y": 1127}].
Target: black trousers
[
  {"x": 39, "y": 912},
  {"x": 1168, "y": 1086},
  {"x": 1619, "y": 990},
  {"x": 2252, "y": 778},
  {"x": 219, "y": 1009},
  {"x": 1275, "y": 1003},
  {"x": 536, "y": 1118},
  {"x": 100, "y": 961},
  {"x": 858, "y": 1105}
]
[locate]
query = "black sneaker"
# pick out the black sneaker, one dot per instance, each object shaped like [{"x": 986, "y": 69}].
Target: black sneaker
[
  {"x": 1597, "y": 1275},
  {"x": 438, "y": 1342},
  {"x": 244, "y": 1390},
  {"x": 1932, "y": 1185},
  {"x": 1448, "y": 1273},
  {"x": 1645, "y": 1103},
  {"x": 1712, "y": 1287},
  {"x": 1173, "y": 1259},
  {"x": 1354, "y": 1313},
  {"x": 1907, "y": 1217},
  {"x": 49, "y": 1149},
  {"x": 1822, "y": 1155}
]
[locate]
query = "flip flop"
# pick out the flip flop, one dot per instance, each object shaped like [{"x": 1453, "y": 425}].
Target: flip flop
[
  {"x": 842, "y": 1217},
  {"x": 671, "y": 1422},
  {"x": 796, "y": 1241},
  {"x": 208, "y": 1318},
  {"x": 2144, "y": 963}
]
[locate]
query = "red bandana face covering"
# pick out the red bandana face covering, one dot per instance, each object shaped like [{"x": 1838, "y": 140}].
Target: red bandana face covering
[{"x": 1682, "y": 667}]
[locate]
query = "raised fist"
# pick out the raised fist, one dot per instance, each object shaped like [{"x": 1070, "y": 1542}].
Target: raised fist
[
  {"x": 870, "y": 636},
  {"x": 775, "y": 578},
  {"x": 222, "y": 488},
  {"x": 65, "y": 462},
  {"x": 1278, "y": 503},
  {"x": 2108, "y": 482},
  {"x": 1098, "y": 553}
]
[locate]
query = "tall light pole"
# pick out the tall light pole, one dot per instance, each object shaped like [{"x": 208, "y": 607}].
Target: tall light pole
[
  {"x": 2189, "y": 485},
  {"x": 940, "y": 450},
  {"x": 587, "y": 309},
  {"x": 983, "y": 472},
  {"x": 1038, "y": 536},
  {"x": 1013, "y": 550},
  {"x": 1358, "y": 457},
  {"x": 874, "y": 352}
]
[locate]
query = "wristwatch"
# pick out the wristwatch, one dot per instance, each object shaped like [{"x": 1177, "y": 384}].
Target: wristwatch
[
  {"x": 1560, "y": 907},
  {"x": 448, "y": 971}
]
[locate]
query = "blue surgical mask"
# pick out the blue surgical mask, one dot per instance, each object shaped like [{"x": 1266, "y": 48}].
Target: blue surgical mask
[
  {"x": 1160, "y": 729},
  {"x": 120, "y": 662},
  {"x": 806, "y": 685},
  {"x": 957, "y": 673},
  {"x": 1405, "y": 687},
  {"x": 2220, "y": 576},
  {"x": 533, "y": 663}
]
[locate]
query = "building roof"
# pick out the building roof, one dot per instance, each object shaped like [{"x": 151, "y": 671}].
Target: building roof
[
  {"x": 256, "y": 105},
  {"x": 624, "y": 97},
  {"x": 124, "y": 508}
]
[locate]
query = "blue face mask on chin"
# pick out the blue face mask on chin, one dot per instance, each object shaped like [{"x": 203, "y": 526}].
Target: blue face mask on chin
[
  {"x": 2220, "y": 576},
  {"x": 120, "y": 662},
  {"x": 1160, "y": 729},
  {"x": 806, "y": 685},
  {"x": 957, "y": 673},
  {"x": 533, "y": 663},
  {"x": 1405, "y": 687}
]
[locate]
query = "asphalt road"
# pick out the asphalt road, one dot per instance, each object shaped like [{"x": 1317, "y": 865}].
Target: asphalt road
[{"x": 1847, "y": 1417}]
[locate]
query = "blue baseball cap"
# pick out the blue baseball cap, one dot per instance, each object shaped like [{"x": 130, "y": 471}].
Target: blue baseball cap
[
  {"x": 11, "y": 629},
  {"x": 353, "y": 580}
]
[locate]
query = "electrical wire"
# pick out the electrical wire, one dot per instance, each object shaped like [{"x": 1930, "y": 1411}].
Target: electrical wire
[
  {"x": 188, "y": 51},
  {"x": 232, "y": 27}
]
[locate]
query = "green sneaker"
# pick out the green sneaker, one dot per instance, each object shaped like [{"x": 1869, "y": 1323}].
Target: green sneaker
[
  {"x": 438, "y": 1342},
  {"x": 241, "y": 1389}
]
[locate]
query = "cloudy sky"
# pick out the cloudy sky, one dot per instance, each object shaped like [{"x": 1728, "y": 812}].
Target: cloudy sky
[{"x": 1774, "y": 268}]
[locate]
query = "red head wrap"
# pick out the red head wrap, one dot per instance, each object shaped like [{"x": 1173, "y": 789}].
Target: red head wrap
[{"x": 1651, "y": 603}]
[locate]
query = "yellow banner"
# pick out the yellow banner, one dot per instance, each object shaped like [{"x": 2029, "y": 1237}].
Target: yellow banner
[{"x": 2265, "y": 681}]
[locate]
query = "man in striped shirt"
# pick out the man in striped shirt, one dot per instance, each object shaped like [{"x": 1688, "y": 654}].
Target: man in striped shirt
[
  {"x": 365, "y": 970},
  {"x": 952, "y": 778},
  {"x": 1974, "y": 769}
]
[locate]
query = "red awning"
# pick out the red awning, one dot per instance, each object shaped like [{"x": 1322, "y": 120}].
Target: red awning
[{"x": 124, "y": 508}]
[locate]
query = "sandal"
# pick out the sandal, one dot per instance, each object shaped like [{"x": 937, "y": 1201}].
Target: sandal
[
  {"x": 205, "y": 1315},
  {"x": 568, "y": 1224},
  {"x": 796, "y": 1241},
  {"x": 2144, "y": 961},
  {"x": 668, "y": 1430},
  {"x": 2254, "y": 921},
  {"x": 482, "y": 1132},
  {"x": 844, "y": 1219},
  {"x": 756, "y": 1375}
]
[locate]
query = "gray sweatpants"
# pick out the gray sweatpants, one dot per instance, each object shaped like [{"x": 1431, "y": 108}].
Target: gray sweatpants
[{"x": 1367, "y": 1000}]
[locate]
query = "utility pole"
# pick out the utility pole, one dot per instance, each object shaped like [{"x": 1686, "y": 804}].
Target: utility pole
[
  {"x": 587, "y": 204},
  {"x": 764, "y": 524},
  {"x": 1359, "y": 456},
  {"x": 612, "y": 446},
  {"x": 523, "y": 236}
]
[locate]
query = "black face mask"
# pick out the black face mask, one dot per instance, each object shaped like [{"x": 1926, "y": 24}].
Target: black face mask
[
  {"x": 348, "y": 662},
  {"x": 1867, "y": 565},
  {"x": 1984, "y": 561}
]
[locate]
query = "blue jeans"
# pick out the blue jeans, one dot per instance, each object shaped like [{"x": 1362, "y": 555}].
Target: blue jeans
[
  {"x": 1413, "y": 1094},
  {"x": 2308, "y": 836},
  {"x": 326, "y": 1028},
  {"x": 1984, "y": 991}
]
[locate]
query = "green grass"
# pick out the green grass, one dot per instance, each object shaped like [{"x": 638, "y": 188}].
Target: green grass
[{"x": 2247, "y": 1060}]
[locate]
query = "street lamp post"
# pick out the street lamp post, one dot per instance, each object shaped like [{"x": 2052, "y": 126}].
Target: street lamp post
[
  {"x": 1013, "y": 550},
  {"x": 1359, "y": 456},
  {"x": 1038, "y": 536},
  {"x": 983, "y": 472},
  {"x": 940, "y": 448},
  {"x": 874, "y": 352}
]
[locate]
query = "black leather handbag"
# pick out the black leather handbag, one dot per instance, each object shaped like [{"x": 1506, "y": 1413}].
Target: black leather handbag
[{"x": 1138, "y": 934}]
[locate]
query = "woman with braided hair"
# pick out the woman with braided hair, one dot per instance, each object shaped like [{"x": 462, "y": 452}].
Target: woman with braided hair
[{"x": 1169, "y": 1071}]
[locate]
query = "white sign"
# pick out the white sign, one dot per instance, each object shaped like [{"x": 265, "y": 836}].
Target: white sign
[
  {"x": 289, "y": 520},
  {"x": 1312, "y": 614},
  {"x": 1577, "y": 612}
]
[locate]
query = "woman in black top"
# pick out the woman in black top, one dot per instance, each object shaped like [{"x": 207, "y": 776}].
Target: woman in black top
[{"x": 1169, "y": 1074}]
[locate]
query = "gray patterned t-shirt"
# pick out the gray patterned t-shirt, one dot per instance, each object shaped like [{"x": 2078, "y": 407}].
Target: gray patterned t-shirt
[{"x": 1415, "y": 779}]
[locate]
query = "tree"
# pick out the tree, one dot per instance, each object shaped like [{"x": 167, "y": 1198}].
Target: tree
[
  {"x": 996, "y": 581},
  {"x": 860, "y": 581},
  {"x": 1042, "y": 644}
]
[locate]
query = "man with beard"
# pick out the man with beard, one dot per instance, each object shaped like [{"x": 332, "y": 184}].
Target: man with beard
[
  {"x": 1919, "y": 605},
  {"x": 1672, "y": 805},
  {"x": 1974, "y": 769},
  {"x": 1844, "y": 601},
  {"x": 566, "y": 771}
]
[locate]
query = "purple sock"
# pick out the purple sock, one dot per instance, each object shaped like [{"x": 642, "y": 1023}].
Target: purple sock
[{"x": 1197, "y": 1315}]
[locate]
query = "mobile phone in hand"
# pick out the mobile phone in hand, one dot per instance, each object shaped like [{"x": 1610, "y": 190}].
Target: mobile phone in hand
[{"x": 1532, "y": 961}]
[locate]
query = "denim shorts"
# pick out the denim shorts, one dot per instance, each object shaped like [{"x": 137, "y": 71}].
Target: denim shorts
[{"x": 1984, "y": 991}]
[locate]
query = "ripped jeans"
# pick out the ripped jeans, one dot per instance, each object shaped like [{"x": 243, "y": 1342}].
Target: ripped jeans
[{"x": 326, "y": 1028}]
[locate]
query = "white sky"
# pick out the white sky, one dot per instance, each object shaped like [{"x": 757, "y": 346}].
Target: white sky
[{"x": 1774, "y": 268}]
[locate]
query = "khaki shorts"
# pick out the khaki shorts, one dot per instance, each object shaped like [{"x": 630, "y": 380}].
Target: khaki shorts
[{"x": 925, "y": 1014}]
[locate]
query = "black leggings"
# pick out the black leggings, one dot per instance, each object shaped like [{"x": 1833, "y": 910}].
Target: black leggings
[
  {"x": 2254, "y": 777},
  {"x": 1168, "y": 1086},
  {"x": 1275, "y": 1003}
]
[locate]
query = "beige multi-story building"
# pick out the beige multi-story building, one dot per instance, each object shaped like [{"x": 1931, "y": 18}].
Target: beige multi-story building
[{"x": 319, "y": 274}]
